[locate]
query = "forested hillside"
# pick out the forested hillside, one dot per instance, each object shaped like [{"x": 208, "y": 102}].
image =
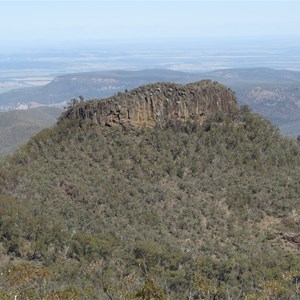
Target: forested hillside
[{"x": 190, "y": 210}]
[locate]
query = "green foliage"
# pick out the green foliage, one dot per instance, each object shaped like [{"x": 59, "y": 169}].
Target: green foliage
[
  {"x": 150, "y": 291},
  {"x": 207, "y": 212}
]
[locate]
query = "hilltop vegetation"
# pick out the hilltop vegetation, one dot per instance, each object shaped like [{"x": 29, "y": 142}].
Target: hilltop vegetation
[{"x": 208, "y": 211}]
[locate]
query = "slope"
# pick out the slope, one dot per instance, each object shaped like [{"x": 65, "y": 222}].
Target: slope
[
  {"x": 190, "y": 210},
  {"x": 16, "y": 127}
]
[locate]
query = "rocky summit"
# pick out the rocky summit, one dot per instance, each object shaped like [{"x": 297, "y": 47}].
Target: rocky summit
[{"x": 159, "y": 104}]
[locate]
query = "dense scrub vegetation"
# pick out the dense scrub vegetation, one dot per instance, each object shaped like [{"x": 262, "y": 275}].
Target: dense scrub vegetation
[{"x": 208, "y": 212}]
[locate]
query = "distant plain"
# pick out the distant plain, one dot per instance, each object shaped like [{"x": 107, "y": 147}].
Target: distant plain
[{"x": 37, "y": 64}]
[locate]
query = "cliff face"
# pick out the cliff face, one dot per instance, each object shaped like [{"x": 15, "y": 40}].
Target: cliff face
[{"x": 158, "y": 104}]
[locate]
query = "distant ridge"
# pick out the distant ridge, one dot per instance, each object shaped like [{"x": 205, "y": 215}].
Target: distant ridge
[
  {"x": 92, "y": 85},
  {"x": 16, "y": 127}
]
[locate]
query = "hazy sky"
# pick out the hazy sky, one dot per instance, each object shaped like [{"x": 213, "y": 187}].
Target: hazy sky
[{"x": 79, "y": 20}]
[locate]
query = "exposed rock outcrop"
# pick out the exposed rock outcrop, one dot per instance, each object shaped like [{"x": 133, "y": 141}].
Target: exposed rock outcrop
[{"x": 158, "y": 104}]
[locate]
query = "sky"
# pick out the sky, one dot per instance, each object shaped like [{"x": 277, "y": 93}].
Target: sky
[{"x": 142, "y": 19}]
